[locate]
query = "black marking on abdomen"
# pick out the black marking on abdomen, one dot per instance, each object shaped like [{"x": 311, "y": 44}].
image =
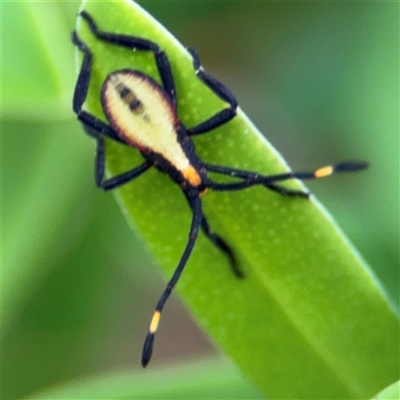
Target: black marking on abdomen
[
  {"x": 134, "y": 104},
  {"x": 123, "y": 90},
  {"x": 129, "y": 97}
]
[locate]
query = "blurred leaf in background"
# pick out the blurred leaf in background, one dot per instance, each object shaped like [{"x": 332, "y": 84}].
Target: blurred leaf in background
[{"x": 319, "y": 79}]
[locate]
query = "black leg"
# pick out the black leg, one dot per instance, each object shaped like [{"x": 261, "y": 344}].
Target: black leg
[
  {"x": 118, "y": 180},
  {"x": 222, "y": 245},
  {"x": 82, "y": 84},
  {"x": 136, "y": 43},
  {"x": 252, "y": 178},
  {"x": 217, "y": 241},
  {"x": 221, "y": 91},
  {"x": 95, "y": 127},
  {"x": 227, "y": 187},
  {"x": 287, "y": 192},
  {"x": 92, "y": 124},
  {"x": 195, "y": 203}
]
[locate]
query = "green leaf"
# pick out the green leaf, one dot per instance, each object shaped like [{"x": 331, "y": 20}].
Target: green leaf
[
  {"x": 392, "y": 392},
  {"x": 309, "y": 320},
  {"x": 207, "y": 379}
]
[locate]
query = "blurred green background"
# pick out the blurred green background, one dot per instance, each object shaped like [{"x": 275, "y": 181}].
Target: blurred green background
[{"x": 319, "y": 79}]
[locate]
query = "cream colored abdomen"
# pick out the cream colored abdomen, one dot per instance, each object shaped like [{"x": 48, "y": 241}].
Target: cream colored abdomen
[{"x": 140, "y": 111}]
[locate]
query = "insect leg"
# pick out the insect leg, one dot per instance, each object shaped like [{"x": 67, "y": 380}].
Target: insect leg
[
  {"x": 195, "y": 203},
  {"x": 133, "y": 42},
  {"x": 251, "y": 178},
  {"x": 221, "y": 91},
  {"x": 117, "y": 180},
  {"x": 222, "y": 245},
  {"x": 91, "y": 123}
]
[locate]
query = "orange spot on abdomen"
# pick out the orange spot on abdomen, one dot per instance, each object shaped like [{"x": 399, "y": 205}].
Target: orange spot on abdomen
[{"x": 192, "y": 176}]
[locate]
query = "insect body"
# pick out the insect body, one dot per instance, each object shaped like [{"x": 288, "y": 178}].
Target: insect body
[{"x": 142, "y": 114}]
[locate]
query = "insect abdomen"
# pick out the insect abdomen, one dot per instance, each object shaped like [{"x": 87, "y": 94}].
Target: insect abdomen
[{"x": 142, "y": 114}]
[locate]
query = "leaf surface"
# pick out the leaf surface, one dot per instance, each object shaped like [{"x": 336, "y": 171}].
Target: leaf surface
[{"x": 309, "y": 320}]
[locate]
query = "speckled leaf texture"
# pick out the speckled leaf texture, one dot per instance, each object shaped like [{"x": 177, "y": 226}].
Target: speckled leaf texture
[{"x": 309, "y": 320}]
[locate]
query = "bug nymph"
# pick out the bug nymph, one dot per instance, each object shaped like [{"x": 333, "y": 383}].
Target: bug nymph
[{"x": 142, "y": 114}]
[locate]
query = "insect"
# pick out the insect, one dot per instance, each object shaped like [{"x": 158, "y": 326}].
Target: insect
[{"x": 142, "y": 114}]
